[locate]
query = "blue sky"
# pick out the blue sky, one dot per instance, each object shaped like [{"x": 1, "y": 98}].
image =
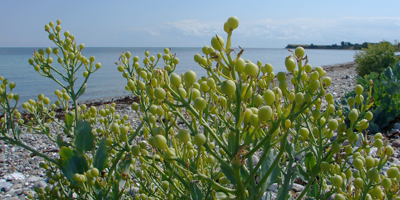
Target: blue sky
[{"x": 269, "y": 24}]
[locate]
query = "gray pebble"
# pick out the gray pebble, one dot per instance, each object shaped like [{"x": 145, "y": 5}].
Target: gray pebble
[
  {"x": 16, "y": 186},
  {"x": 33, "y": 179},
  {"x": 273, "y": 188},
  {"x": 12, "y": 198},
  {"x": 14, "y": 176},
  {"x": 396, "y": 143},
  {"x": 5, "y": 186},
  {"x": 297, "y": 187},
  {"x": 40, "y": 184}
]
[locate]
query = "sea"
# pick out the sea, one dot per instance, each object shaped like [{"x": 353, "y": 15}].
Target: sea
[{"x": 108, "y": 81}]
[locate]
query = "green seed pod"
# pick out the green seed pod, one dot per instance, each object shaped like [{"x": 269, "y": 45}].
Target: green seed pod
[
  {"x": 217, "y": 42},
  {"x": 353, "y": 115},
  {"x": 233, "y": 22},
  {"x": 199, "y": 139},
  {"x": 326, "y": 81},
  {"x": 337, "y": 181},
  {"x": 290, "y": 64},
  {"x": 389, "y": 151},
  {"x": 190, "y": 77},
  {"x": 264, "y": 113},
  {"x": 160, "y": 142},
  {"x": 359, "y": 89},
  {"x": 200, "y": 103},
  {"x": 250, "y": 69},
  {"x": 299, "y": 52},
  {"x": 159, "y": 93},
  {"x": 333, "y": 124},
  {"x": 204, "y": 86},
  {"x": 228, "y": 87},
  {"x": 373, "y": 174},
  {"x": 240, "y": 65},
  {"x": 258, "y": 100},
  {"x": 269, "y": 97},
  {"x": 184, "y": 135},
  {"x": 281, "y": 76},
  {"x": 393, "y": 172},
  {"x": 378, "y": 143},
  {"x": 254, "y": 120},
  {"x": 299, "y": 98}
]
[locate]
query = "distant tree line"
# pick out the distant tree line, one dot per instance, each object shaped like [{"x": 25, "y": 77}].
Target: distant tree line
[{"x": 343, "y": 45}]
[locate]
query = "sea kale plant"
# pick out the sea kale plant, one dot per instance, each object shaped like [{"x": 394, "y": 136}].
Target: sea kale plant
[
  {"x": 228, "y": 135},
  {"x": 386, "y": 95}
]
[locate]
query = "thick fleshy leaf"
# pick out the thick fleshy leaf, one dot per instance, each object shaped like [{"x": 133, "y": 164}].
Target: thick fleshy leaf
[
  {"x": 310, "y": 162},
  {"x": 68, "y": 121},
  {"x": 266, "y": 165},
  {"x": 268, "y": 195},
  {"x": 389, "y": 73},
  {"x": 228, "y": 174},
  {"x": 84, "y": 138},
  {"x": 101, "y": 155},
  {"x": 71, "y": 162},
  {"x": 223, "y": 196},
  {"x": 303, "y": 174},
  {"x": 195, "y": 192},
  {"x": 98, "y": 191}
]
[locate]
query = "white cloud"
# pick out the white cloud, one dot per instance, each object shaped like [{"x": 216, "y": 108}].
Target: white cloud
[
  {"x": 194, "y": 27},
  {"x": 279, "y": 32},
  {"x": 321, "y": 29}
]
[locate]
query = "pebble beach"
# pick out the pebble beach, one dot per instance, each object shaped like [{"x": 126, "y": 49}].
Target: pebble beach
[{"x": 19, "y": 168}]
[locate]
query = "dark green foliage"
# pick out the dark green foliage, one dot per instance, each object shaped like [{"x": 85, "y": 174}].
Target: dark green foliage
[
  {"x": 375, "y": 58},
  {"x": 385, "y": 94},
  {"x": 72, "y": 162},
  {"x": 101, "y": 156},
  {"x": 84, "y": 140}
]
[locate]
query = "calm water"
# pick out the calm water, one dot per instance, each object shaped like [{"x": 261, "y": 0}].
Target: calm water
[{"x": 108, "y": 82}]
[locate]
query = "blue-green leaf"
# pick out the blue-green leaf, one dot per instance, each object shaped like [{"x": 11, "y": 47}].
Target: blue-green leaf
[
  {"x": 389, "y": 73},
  {"x": 223, "y": 196},
  {"x": 68, "y": 121},
  {"x": 266, "y": 165},
  {"x": 303, "y": 174},
  {"x": 267, "y": 196},
  {"x": 310, "y": 161},
  {"x": 228, "y": 174},
  {"x": 84, "y": 138},
  {"x": 195, "y": 192},
  {"x": 71, "y": 162},
  {"x": 100, "y": 158}
]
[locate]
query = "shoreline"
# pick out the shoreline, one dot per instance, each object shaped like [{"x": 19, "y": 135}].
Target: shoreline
[{"x": 129, "y": 99}]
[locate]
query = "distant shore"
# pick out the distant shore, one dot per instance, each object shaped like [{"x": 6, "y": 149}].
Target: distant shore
[{"x": 338, "y": 47}]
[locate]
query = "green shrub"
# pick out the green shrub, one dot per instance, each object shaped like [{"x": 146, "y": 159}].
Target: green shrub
[
  {"x": 375, "y": 58},
  {"x": 198, "y": 137}
]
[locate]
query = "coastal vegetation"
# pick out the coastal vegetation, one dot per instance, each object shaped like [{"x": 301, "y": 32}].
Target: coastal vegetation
[
  {"x": 376, "y": 58},
  {"x": 229, "y": 135},
  {"x": 386, "y": 95},
  {"x": 342, "y": 45},
  {"x": 379, "y": 64}
]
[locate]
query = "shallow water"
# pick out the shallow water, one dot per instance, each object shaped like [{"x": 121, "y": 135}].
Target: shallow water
[{"x": 108, "y": 82}]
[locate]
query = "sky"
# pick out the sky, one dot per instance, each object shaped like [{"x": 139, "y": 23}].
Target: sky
[{"x": 173, "y": 23}]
